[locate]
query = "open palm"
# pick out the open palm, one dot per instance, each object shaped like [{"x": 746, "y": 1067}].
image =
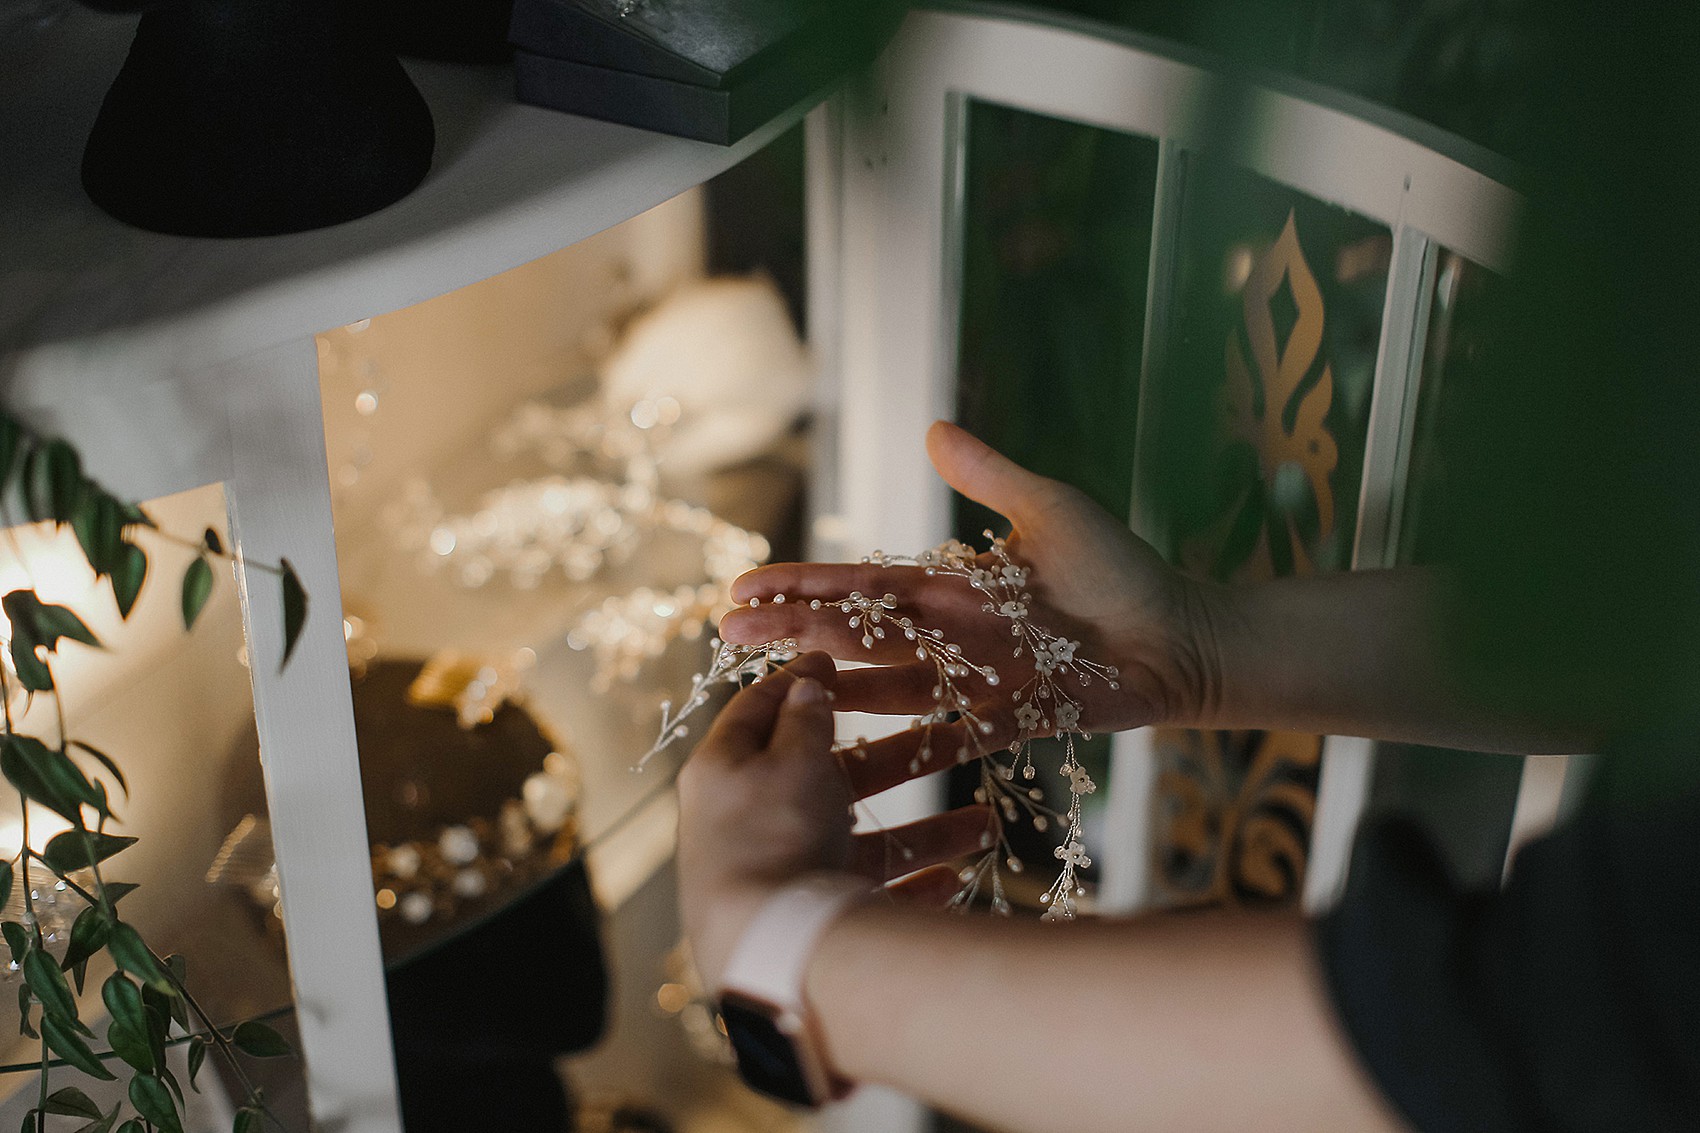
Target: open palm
[{"x": 1090, "y": 581}]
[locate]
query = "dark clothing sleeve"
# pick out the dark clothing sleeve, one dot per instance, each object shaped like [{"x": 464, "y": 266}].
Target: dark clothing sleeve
[{"x": 1569, "y": 1001}]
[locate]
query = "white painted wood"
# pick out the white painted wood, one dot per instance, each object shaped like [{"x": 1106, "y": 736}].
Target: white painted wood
[
  {"x": 1393, "y": 398},
  {"x": 1542, "y": 799},
  {"x": 280, "y": 506},
  {"x": 1124, "y": 852},
  {"x": 1348, "y": 769},
  {"x": 1348, "y": 763},
  {"x": 1326, "y": 152},
  {"x": 823, "y": 202}
]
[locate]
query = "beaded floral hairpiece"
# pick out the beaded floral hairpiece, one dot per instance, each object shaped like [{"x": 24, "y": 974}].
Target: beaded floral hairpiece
[{"x": 1044, "y": 706}]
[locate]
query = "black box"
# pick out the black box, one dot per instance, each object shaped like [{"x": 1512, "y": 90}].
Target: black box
[{"x": 713, "y": 70}]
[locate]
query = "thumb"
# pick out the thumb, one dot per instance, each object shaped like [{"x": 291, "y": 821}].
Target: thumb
[
  {"x": 805, "y": 722},
  {"x": 986, "y": 476}
]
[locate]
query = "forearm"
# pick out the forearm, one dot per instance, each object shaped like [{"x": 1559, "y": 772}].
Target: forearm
[
  {"x": 1172, "y": 1024},
  {"x": 1364, "y": 654}
]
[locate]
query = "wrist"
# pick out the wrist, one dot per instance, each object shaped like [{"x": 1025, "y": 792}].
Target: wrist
[
  {"x": 762, "y": 989},
  {"x": 1211, "y": 616}
]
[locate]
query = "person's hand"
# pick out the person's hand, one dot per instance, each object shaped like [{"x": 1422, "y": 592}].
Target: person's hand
[
  {"x": 1092, "y": 581},
  {"x": 763, "y": 800}
]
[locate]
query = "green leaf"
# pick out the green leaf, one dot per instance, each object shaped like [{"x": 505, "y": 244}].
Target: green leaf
[
  {"x": 88, "y": 936},
  {"x": 131, "y": 1126},
  {"x": 153, "y": 1101},
  {"x": 170, "y": 1006},
  {"x": 159, "y": 1021},
  {"x": 129, "y": 953},
  {"x": 17, "y": 939},
  {"x": 128, "y": 573},
  {"x": 63, "y": 1041},
  {"x": 260, "y": 1041},
  {"x": 106, "y": 762},
  {"x": 134, "y": 516},
  {"x": 248, "y": 1120},
  {"x": 65, "y": 482},
  {"x": 36, "y": 487},
  {"x": 294, "y": 610},
  {"x": 79, "y": 849},
  {"x": 212, "y": 542},
  {"x": 116, "y": 891},
  {"x": 47, "y": 983},
  {"x": 47, "y": 776},
  {"x": 123, "y": 1000},
  {"x": 33, "y": 673},
  {"x": 197, "y": 1056},
  {"x": 104, "y": 1124},
  {"x": 5, "y": 882},
  {"x": 43, "y": 622},
  {"x": 197, "y": 588},
  {"x": 25, "y": 1001},
  {"x": 29, "y": 1117},
  {"x": 72, "y": 1102},
  {"x": 170, "y": 1080},
  {"x": 131, "y": 1045},
  {"x": 99, "y": 527},
  {"x": 12, "y": 439}
]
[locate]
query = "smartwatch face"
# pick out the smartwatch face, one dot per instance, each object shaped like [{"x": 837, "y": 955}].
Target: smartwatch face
[{"x": 767, "y": 1056}]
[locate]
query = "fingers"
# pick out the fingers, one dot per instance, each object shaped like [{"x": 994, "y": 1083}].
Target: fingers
[
  {"x": 825, "y": 629},
  {"x": 885, "y": 854},
  {"x": 987, "y": 476},
  {"x": 887, "y": 690},
  {"x": 935, "y": 885},
  {"x": 942, "y": 601},
  {"x": 821, "y": 580},
  {"x": 882, "y": 764},
  {"x": 746, "y": 725},
  {"x": 805, "y": 721}
]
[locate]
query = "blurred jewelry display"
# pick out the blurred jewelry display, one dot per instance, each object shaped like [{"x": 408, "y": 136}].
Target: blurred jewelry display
[
  {"x": 449, "y": 867},
  {"x": 577, "y": 524},
  {"x": 1043, "y": 706}
]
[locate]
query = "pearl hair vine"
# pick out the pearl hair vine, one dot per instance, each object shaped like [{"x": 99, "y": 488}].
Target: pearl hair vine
[
  {"x": 1043, "y": 706},
  {"x": 599, "y": 506}
]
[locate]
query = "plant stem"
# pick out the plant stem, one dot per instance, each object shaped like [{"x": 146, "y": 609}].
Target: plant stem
[
  {"x": 41, "y": 1092},
  {"x": 65, "y": 750},
  {"x": 227, "y": 554},
  {"x": 225, "y": 1047},
  {"x": 24, "y": 867}
]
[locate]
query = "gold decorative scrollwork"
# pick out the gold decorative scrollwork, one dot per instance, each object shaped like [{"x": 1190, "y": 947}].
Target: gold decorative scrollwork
[
  {"x": 1275, "y": 407},
  {"x": 1235, "y": 808},
  {"x": 1236, "y": 814}
]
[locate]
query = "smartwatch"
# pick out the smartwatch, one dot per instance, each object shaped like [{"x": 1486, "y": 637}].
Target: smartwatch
[{"x": 774, "y": 1033}]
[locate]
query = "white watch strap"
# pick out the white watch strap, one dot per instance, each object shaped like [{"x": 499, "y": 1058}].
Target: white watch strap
[{"x": 772, "y": 956}]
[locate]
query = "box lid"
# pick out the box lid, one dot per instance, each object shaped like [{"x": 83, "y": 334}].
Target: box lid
[{"x": 710, "y": 43}]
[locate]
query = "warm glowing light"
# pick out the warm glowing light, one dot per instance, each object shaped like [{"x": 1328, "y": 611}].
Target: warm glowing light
[
  {"x": 672, "y": 998},
  {"x": 44, "y": 824},
  {"x": 50, "y": 563},
  {"x": 386, "y": 898}
]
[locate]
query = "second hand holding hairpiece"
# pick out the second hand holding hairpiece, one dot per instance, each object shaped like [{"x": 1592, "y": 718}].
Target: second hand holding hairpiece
[{"x": 1043, "y": 705}]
